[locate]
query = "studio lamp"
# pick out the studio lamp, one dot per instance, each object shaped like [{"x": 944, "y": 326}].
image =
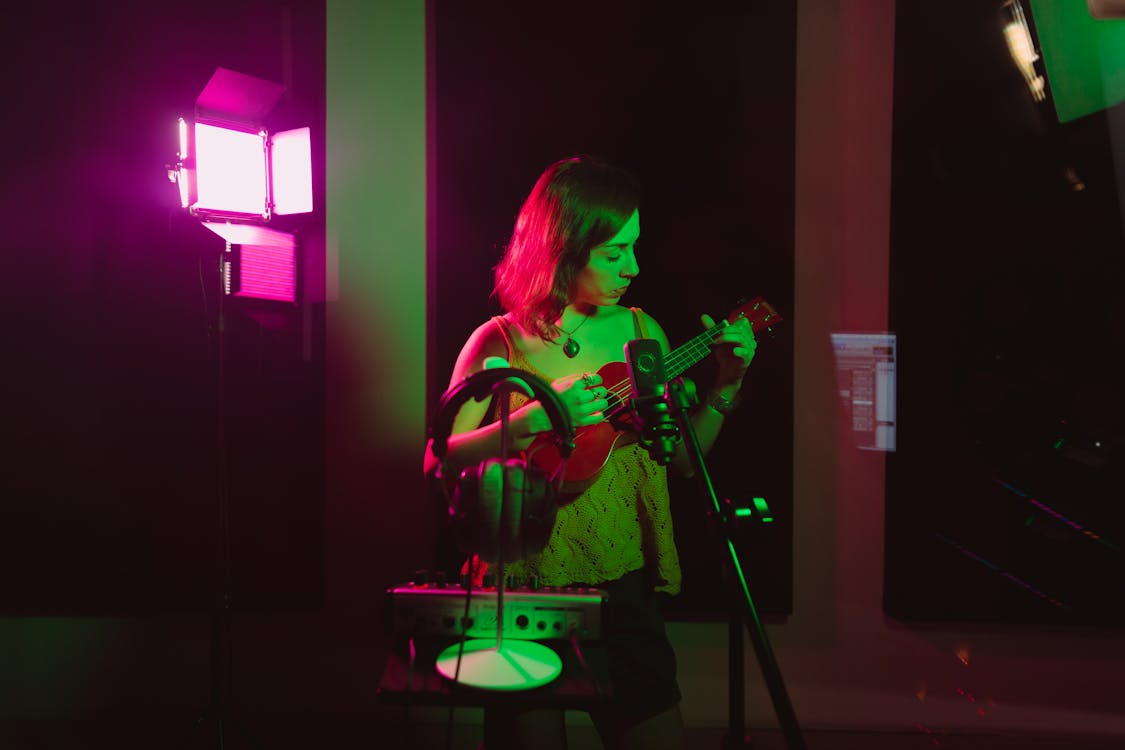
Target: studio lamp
[{"x": 234, "y": 175}]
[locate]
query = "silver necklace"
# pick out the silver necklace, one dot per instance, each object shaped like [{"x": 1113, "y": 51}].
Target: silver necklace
[{"x": 571, "y": 347}]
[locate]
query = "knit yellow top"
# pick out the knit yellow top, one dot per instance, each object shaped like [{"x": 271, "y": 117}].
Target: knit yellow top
[{"x": 621, "y": 523}]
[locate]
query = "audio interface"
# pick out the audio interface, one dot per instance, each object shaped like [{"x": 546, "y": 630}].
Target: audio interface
[{"x": 529, "y": 614}]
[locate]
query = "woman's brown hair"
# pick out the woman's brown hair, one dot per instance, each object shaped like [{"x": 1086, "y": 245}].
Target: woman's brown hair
[{"x": 575, "y": 205}]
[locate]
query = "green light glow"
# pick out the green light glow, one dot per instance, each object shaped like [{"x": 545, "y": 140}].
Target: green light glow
[
  {"x": 376, "y": 212},
  {"x": 1084, "y": 56},
  {"x": 761, "y": 509}
]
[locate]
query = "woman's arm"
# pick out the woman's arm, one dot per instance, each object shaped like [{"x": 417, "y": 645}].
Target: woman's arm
[{"x": 469, "y": 443}]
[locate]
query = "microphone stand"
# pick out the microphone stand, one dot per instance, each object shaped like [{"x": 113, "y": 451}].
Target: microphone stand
[{"x": 680, "y": 401}]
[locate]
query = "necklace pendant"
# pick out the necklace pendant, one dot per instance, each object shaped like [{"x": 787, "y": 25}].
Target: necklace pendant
[{"x": 570, "y": 348}]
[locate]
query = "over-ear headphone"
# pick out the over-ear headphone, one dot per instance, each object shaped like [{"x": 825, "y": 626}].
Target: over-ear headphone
[{"x": 530, "y": 497}]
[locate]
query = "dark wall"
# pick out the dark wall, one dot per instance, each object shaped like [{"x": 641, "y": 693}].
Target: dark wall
[
  {"x": 113, "y": 461},
  {"x": 1003, "y": 502},
  {"x": 699, "y": 105}
]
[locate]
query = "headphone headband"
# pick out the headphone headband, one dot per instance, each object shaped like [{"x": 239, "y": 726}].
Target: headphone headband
[{"x": 481, "y": 385}]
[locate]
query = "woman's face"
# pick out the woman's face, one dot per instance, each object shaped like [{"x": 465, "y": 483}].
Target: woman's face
[{"x": 612, "y": 266}]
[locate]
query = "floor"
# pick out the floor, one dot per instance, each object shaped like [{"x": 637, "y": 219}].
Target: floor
[{"x": 288, "y": 733}]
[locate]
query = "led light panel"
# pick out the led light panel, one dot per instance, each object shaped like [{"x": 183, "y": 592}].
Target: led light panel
[
  {"x": 230, "y": 168},
  {"x": 292, "y": 172}
]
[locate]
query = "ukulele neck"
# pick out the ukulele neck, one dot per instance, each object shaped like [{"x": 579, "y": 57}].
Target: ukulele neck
[{"x": 684, "y": 357}]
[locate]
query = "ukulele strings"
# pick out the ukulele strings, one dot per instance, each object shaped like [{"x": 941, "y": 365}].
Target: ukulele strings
[{"x": 678, "y": 361}]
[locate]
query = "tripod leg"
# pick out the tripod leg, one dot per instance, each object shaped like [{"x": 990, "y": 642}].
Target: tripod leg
[
  {"x": 736, "y": 737},
  {"x": 786, "y": 716}
]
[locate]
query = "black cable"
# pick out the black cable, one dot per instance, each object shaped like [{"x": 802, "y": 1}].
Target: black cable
[
  {"x": 464, "y": 626},
  {"x": 582, "y": 662},
  {"x": 410, "y": 664}
]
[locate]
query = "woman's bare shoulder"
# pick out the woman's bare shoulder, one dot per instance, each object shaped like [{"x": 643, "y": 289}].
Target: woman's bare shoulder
[
  {"x": 486, "y": 340},
  {"x": 655, "y": 330}
]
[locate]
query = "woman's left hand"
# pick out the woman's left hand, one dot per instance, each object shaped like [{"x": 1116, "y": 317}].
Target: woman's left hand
[{"x": 734, "y": 349}]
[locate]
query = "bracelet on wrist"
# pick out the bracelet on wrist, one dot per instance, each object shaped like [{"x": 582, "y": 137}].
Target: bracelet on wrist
[{"x": 723, "y": 404}]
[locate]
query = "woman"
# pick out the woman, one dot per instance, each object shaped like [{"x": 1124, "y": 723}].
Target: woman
[{"x": 571, "y": 259}]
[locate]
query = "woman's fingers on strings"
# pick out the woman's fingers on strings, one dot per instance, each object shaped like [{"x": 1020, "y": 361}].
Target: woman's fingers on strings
[
  {"x": 600, "y": 401},
  {"x": 596, "y": 405},
  {"x": 585, "y": 418},
  {"x": 585, "y": 397},
  {"x": 579, "y": 381}
]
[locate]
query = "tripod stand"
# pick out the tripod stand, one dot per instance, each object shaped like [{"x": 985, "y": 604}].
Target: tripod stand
[{"x": 680, "y": 399}]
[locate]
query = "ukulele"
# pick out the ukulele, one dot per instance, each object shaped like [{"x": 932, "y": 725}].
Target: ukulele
[{"x": 594, "y": 443}]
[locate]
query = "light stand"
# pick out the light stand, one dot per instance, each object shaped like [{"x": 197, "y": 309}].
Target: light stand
[
  {"x": 493, "y": 664},
  {"x": 216, "y": 711},
  {"x": 680, "y": 400},
  {"x": 232, "y": 175}
]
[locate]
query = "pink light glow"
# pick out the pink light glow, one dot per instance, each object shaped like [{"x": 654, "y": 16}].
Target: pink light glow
[
  {"x": 184, "y": 175},
  {"x": 183, "y": 130},
  {"x": 292, "y": 172},
  {"x": 238, "y": 97},
  {"x": 267, "y": 273},
  {"x": 265, "y": 260},
  {"x": 230, "y": 170}
]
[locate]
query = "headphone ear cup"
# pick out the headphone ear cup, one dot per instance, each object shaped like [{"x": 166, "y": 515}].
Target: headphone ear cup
[
  {"x": 542, "y": 507},
  {"x": 465, "y": 510},
  {"x": 530, "y": 510},
  {"x": 512, "y": 518},
  {"x": 480, "y": 489}
]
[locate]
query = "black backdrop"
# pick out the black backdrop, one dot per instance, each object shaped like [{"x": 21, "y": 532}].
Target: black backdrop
[
  {"x": 1004, "y": 499},
  {"x": 111, "y": 452},
  {"x": 699, "y": 103},
  {"x": 111, "y": 448}
]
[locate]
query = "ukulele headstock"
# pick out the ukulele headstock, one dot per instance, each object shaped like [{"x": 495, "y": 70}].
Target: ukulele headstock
[{"x": 760, "y": 313}]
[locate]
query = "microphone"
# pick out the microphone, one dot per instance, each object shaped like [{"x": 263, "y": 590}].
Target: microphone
[{"x": 658, "y": 428}]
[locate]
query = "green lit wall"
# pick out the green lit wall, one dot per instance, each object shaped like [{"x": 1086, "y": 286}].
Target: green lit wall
[
  {"x": 377, "y": 522},
  {"x": 1085, "y": 57}
]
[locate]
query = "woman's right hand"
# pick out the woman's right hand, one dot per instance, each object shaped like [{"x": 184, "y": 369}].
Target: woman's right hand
[{"x": 584, "y": 397}]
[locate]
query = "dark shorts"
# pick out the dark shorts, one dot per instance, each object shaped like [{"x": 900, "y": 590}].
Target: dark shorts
[{"x": 642, "y": 664}]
